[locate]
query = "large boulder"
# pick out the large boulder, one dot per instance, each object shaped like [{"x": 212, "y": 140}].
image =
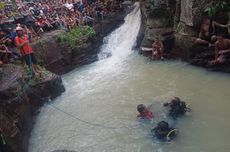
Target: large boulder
[{"x": 19, "y": 101}]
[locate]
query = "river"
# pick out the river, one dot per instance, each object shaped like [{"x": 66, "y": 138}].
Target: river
[{"x": 97, "y": 113}]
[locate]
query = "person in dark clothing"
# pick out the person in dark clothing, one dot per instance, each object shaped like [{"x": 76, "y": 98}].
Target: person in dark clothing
[
  {"x": 163, "y": 132},
  {"x": 177, "y": 108}
]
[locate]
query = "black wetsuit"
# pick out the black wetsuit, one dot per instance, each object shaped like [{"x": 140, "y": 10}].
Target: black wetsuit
[
  {"x": 162, "y": 131},
  {"x": 177, "y": 109}
]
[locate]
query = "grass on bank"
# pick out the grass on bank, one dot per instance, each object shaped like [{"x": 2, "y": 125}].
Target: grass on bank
[{"x": 77, "y": 37}]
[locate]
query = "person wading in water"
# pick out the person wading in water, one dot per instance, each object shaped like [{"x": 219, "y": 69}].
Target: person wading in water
[{"x": 144, "y": 112}]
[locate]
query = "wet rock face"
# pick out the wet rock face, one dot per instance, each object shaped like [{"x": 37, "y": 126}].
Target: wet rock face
[
  {"x": 20, "y": 100},
  {"x": 157, "y": 20},
  {"x": 203, "y": 56}
]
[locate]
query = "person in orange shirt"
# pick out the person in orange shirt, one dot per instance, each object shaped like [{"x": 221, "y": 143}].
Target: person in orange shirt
[{"x": 22, "y": 42}]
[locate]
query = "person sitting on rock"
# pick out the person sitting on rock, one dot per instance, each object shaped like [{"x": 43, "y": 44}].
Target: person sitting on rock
[
  {"x": 207, "y": 30},
  {"x": 222, "y": 50},
  {"x": 157, "y": 49},
  {"x": 163, "y": 132},
  {"x": 176, "y": 107},
  {"x": 144, "y": 112}
]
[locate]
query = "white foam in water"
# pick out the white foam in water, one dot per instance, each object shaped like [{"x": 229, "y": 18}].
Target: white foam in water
[
  {"x": 107, "y": 93},
  {"x": 120, "y": 42}
]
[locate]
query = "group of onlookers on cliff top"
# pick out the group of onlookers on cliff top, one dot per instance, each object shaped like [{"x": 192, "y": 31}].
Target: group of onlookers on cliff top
[
  {"x": 39, "y": 16},
  {"x": 212, "y": 35}
]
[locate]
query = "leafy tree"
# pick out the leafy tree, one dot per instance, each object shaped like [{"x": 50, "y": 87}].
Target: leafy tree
[{"x": 217, "y": 6}]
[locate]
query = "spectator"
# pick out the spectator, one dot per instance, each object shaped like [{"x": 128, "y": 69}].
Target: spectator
[
  {"x": 22, "y": 42},
  {"x": 222, "y": 49},
  {"x": 207, "y": 32},
  {"x": 87, "y": 20},
  {"x": 157, "y": 49}
]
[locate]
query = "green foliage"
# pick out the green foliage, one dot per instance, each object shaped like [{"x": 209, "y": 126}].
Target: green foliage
[
  {"x": 159, "y": 12},
  {"x": 217, "y": 6},
  {"x": 77, "y": 37}
]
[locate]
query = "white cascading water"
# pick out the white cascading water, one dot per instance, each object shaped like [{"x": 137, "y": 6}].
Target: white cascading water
[{"x": 120, "y": 42}]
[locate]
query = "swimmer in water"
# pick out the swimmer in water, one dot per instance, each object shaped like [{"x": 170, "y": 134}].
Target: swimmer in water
[
  {"x": 177, "y": 107},
  {"x": 144, "y": 112},
  {"x": 163, "y": 132}
]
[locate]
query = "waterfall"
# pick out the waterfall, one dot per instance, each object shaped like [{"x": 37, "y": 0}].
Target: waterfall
[{"x": 120, "y": 42}]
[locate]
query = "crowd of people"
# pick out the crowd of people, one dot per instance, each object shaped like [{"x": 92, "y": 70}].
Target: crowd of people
[{"x": 39, "y": 16}]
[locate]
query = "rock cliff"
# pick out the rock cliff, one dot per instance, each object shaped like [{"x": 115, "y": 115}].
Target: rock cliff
[
  {"x": 177, "y": 24},
  {"x": 20, "y": 101}
]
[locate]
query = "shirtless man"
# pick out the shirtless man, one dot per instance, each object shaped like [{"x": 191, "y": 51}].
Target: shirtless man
[
  {"x": 157, "y": 50},
  {"x": 222, "y": 49},
  {"x": 206, "y": 35}
]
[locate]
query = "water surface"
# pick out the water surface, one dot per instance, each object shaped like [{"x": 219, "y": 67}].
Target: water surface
[{"x": 105, "y": 95}]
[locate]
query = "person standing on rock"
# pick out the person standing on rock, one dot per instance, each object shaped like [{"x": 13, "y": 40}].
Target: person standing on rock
[{"x": 22, "y": 42}]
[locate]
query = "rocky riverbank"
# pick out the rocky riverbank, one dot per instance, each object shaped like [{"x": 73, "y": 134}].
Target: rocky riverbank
[
  {"x": 20, "y": 100},
  {"x": 177, "y": 23}
]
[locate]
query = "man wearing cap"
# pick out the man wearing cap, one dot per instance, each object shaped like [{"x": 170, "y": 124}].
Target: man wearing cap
[{"x": 22, "y": 42}]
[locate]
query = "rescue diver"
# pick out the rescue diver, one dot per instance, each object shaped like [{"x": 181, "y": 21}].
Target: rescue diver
[
  {"x": 177, "y": 108},
  {"x": 163, "y": 132}
]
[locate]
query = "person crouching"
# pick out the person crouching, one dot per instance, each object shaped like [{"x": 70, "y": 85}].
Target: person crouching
[
  {"x": 143, "y": 112},
  {"x": 22, "y": 42}
]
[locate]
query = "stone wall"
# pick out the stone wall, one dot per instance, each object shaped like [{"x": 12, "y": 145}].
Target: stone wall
[
  {"x": 187, "y": 20},
  {"x": 157, "y": 20}
]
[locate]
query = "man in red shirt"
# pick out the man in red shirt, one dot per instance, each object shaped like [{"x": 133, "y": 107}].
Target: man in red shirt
[{"x": 22, "y": 42}]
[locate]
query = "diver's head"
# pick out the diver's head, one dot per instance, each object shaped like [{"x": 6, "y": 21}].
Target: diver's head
[
  {"x": 163, "y": 125},
  {"x": 175, "y": 101},
  {"x": 141, "y": 108}
]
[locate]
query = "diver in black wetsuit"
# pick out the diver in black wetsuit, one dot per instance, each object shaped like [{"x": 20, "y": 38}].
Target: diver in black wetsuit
[
  {"x": 177, "y": 108},
  {"x": 163, "y": 132}
]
